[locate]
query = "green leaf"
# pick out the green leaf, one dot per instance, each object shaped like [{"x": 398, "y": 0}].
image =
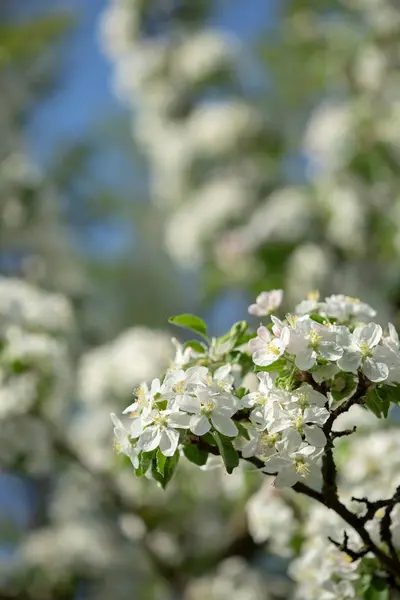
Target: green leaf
[
  {"x": 385, "y": 402},
  {"x": 145, "y": 459},
  {"x": 208, "y": 438},
  {"x": 237, "y": 331},
  {"x": 318, "y": 318},
  {"x": 162, "y": 404},
  {"x": 242, "y": 430},
  {"x": 191, "y": 322},
  {"x": 195, "y": 345},
  {"x": 378, "y": 590},
  {"x": 227, "y": 451},
  {"x": 374, "y": 403},
  {"x": 277, "y": 367},
  {"x": 170, "y": 465},
  {"x": 343, "y": 386},
  {"x": 388, "y": 394},
  {"x": 195, "y": 455},
  {"x": 160, "y": 460}
]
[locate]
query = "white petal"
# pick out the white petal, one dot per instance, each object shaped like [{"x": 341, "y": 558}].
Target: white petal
[
  {"x": 330, "y": 351},
  {"x": 250, "y": 448},
  {"x": 169, "y": 441},
  {"x": 263, "y": 358},
  {"x": 222, "y": 373},
  {"x": 134, "y": 459},
  {"x": 349, "y": 362},
  {"x": 179, "y": 420},
  {"x": 150, "y": 439},
  {"x": 199, "y": 424},
  {"x": 257, "y": 311},
  {"x": 189, "y": 403},
  {"x": 131, "y": 408},
  {"x": 369, "y": 334},
  {"x": 291, "y": 441},
  {"x": 315, "y": 436},
  {"x": 136, "y": 427},
  {"x": 224, "y": 424},
  {"x": 313, "y": 396},
  {"x": 306, "y": 359},
  {"x": 393, "y": 334},
  {"x": 375, "y": 371},
  {"x": 287, "y": 477},
  {"x": 116, "y": 420},
  {"x": 155, "y": 387},
  {"x": 276, "y": 463},
  {"x": 264, "y": 334},
  {"x": 316, "y": 414}
]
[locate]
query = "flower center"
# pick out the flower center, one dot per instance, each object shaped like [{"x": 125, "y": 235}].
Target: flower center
[
  {"x": 366, "y": 351},
  {"x": 298, "y": 424},
  {"x": 314, "y": 339},
  {"x": 292, "y": 320},
  {"x": 273, "y": 349},
  {"x": 179, "y": 387},
  {"x": 354, "y": 300},
  {"x": 161, "y": 420},
  {"x": 266, "y": 441},
  {"x": 301, "y": 467},
  {"x": 303, "y": 400},
  {"x": 207, "y": 409}
]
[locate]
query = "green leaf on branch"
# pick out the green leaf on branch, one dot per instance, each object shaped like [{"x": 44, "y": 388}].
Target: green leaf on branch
[
  {"x": 276, "y": 367},
  {"x": 188, "y": 321},
  {"x": 378, "y": 590},
  {"x": 160, "y": 460},
  {"x": 242, "y": 430},
  {"x": 195, "y": 455},
  {"x": 343, "y": 386},
  {"x": 376, "y": 404},
  {"x": 388, "y": 394},
  {"x": 227, "y": 451},
  {"x": 168, "y": 468},
  {"x": 318, "y": 319},
  {"x": 145, "y": 459},
  {"x": 195, "y": 345},
  {"x": 208, "y": 439}
]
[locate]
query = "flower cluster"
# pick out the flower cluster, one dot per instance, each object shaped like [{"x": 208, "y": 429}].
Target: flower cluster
[
  {"x": 272, "y": 398},
  {"x": 307, "y": 364}
]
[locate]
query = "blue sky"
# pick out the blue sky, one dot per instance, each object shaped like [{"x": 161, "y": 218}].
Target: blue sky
[{"x": 85, "y": 97}]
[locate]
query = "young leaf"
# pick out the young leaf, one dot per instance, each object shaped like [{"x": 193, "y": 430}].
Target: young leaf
[
  {"x": 195, "y": 345},
  {"x": 276, "y": 367},
  {"x": 195, "y": 455},
  {"x": 242, "y": 430},
  {"x": 170, "y": 465},
  {"x": 191, "y": 322},
  {"x": 374, "y": 403},
  {"x": 161, "y": 460},
  {"x": 208, "y": 438},
  {"x": 227, "y": 451},
  {"x": 144, "y": 463}
]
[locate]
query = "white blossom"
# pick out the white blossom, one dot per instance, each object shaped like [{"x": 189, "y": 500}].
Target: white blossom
[
  {"x": 309, "y": 340},
  {"x": 293, "y": 465},
  {"x": 362, "y": 350},
  {"x": 266, "y": 302},
  {"x": 266, "y": 348}
]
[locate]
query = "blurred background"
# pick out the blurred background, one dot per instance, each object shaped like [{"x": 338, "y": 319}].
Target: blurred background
[{"x": 157, "y": 157}]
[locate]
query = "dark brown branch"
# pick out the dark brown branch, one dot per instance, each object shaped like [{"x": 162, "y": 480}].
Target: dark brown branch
[
  {"x": 386, "y": 533},
  {"x": 344, "y": 547},
  {"x": 339, "y": 434}
]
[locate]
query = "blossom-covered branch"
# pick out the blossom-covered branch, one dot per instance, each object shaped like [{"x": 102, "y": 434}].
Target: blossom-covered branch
[{"x": 311, "y": 368}]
